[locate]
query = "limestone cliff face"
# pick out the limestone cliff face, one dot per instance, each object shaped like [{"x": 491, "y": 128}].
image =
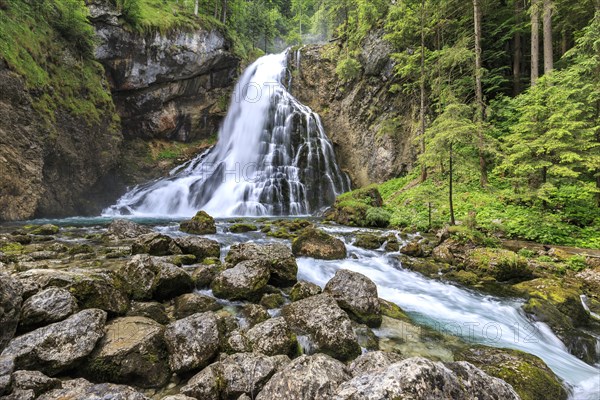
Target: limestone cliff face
[
  {"x": 168, "y": 86},
  {"x": 369, "y": 126}
]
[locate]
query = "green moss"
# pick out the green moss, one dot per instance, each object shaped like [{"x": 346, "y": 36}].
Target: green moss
[
  {"x": 242, "y": 228},
  {"x": 272, "y": 300},
  {"x": 12, "y": 248},
  {"x": 392, "y": 310},
  {"x": 502, "y": 265},
  {"x": 369, "y": 241}
]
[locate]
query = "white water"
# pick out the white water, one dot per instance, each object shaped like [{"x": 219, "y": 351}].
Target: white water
[
  {"x": 475, "y": 317},
  {"x": 272, "y": 158}
]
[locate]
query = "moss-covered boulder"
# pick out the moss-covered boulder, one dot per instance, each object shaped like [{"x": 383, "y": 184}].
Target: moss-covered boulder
[
  {"x": 192, "y": 303},
  {"x": 529, "y": 376},
  {"x": 246, "y": 281},
  {"x": 362, "y": 207},
  {"x": 272, "y": 300},
  {"x": 276, "y": 257},
  {"x": 155, "y": 244},
  {"x": 412, "y": 249},
  {"x": 200, "y": 224},
  {"x": 273, "y": 337},
  {"x": 45, "y": 230},
  {"x": 242, "y": 228},
  {"x": 317, "y": 244},
  {"x": 204, "y": 274},
  {"x": 369, "y": 241},
  {"x": 503, "y": 265},
  {"x": 254, "y": 314},
  {"x": 286, "y": 228},
  {"x": 304, "y": 289},
  {"x": 200, "y": 247}
]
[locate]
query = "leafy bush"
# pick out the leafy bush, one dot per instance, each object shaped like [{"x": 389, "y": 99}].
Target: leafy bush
[
  {"x": 69, "y": 18},
  {"x": 577, "y": 263},
  {"x": 526, "y": 253},
  {"x": 378, "y": 217},
  {"x": 348, "y": 69}
]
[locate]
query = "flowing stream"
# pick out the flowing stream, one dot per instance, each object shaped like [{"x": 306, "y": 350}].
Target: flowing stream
[{"x": 272, "y": 158}]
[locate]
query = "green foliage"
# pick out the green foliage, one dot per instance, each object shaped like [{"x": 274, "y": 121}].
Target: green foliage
[
  {"x": 526, "y": 253},
  {"x": 377, "y": 217},
  {"x": 577, "y": 263},
  {"x": 348, "y": 69}
]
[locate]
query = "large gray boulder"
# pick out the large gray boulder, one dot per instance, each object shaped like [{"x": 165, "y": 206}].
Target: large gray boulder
[
  {"x": 155, "y": 244},
  {"x": 192, "y": 342},
  {"x": 373, "y": 361},
  {"x": 304, "y": 289},
  {"x": 272, "y": 337},
  {"x": 126, "y": 229},
  {"x": 132, "y": 351},
  {"x": 200, "y": 224},
  {"x": 246, "y": 281},
  {"x": 193, "y": 303},
  {"x": 198, "y": 246},
  {"x": 277, "y": 257},
  {"x": 81, "y": 389},
  {"x": 318, "y": 244},
  {"x": 28, "y": 385},
  {"x": 357, "y": 295},
  {"x": 419, "y": 378},
  {"x": 325, "y": 323},
  {"x": 153, "y": 310},
  {"x": 10, "y": 307},
  {"x": 233, "y": 376},
  {"x": 49, "y": 305},
  {"x": 313, "y": 377},
  {"x": 56, "y": 347},
  {"x": 150, "y": 278}
]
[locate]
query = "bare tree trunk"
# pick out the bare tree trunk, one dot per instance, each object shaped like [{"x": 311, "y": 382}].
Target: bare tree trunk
[
  {"x": 216, "y": 9},
  {"x": 479, "y": 93},
  {"x": 224, "y": 11},
  {"x": 518, "y": 49},
  {"x": 196, "y": 8},
  {"x": 535, "y": 41},
  {"x": 548, "y": 51},
  {"x": 450, "y": 188},
  {"x": 422, "y": 88}
]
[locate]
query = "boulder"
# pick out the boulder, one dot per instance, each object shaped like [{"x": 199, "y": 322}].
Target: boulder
[
  {"x": 246, "y": 281},
  {"x": 192, "y": 342},
  {"x": 198, "y": 246},
  {"x": 125, "y": 229},
  {"x": 317, "y": 244},
  {"x": 412, "y": 249},
  {"x": 304, "y": 289},
  {"x": 419, "y": 378},
  {"x": 236, "y": 342},
  {"x": 11, "y": 299},
  {"x": 49, "y": 305},
  {"x": 443, "y": 252},
  {"x": 242, "y": 228},
  {"x": 233, "y": 376},
  {"x": 132, "y": 351},
  {"x": 313, "y": 377},
  {"x": 59, "y": 346},
  {"x": 254, "y": 314},
  {"x": 503, "y": 265},
  {"x": 153, "y": 310},
  {"x": 200, "y": 224},
  {"x": 272, "y": 337},
  {"x": 272, "y": 300},
  {"x": 373, "y": 361},
  {"x": 193, "y": 303},
  {"x": 369, "y": 241},
  {"x": 357, "y": 295},
  {"x": 45, "y": 230},
  {"x": 33, "y": 381},
  {"x": 81, "y": 389},
  {"x": 154, "y": 244},
  {"x": 150, "y": 278},
  {"x": 327, "y": 325},
  {"x": 277, "y": 257},
  {"x": 204, "y": 274}
]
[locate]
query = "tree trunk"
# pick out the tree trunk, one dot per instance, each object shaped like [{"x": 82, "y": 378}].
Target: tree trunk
[
  {"x": 479, "y": 118},
  {"x": 196, "y": 7},
  {"x": 422, "y": 89},
  {"x": 518, "y": 49},
  {"x": 451, "y": 201},
  {"x": 224, "y": 11},
  {"x": 548, "y": 51},
  {"x": 216, "y": 9},
  {"x": 535, "y": 41}
]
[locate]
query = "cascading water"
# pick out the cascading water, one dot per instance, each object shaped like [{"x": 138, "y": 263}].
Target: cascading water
[{"x": 272, "y": 158}]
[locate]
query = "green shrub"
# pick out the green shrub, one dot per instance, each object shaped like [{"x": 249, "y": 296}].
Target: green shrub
[
  {"x": 577, "y": 263},
  {"x": 69, "y": 18},
  {"x": 348, "y": 69},
  {"x": 545, "y": 259},
  {"x": 526, "y": 253},
  {"x": 378, "y": 217}
]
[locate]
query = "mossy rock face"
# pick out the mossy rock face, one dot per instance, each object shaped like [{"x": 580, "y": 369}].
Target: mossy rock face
[
  {"x": 529, "y": 376},
  {"x": 392, "y": 310},
  {"x": 353, "y": 209},
  {"x": 200, "y": 224},
  {"x": 466, "y": 278},
  {"x": 45, "y": 230},
  {"x": 246, "y": 281},
  {"x": 318, "y": 244},
  {"x": 272, "y": 300},
  {"x": 242, "y": 228},
  {"x": 503, "y": 265},
  {"x": 303, "y": 290},
  {"x": 369, "y": 241},
  {"x": 287, "y": 228},
  {"x": 424, "y": 266}
]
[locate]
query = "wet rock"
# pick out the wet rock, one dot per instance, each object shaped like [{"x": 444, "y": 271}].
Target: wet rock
[
  {"x": 254, "y": 314},
  {"x": 198, "y": 246},
  {"x": 10, "y": 308},
  {"x": 203, "y": 274},
  {"x": 501, "y": 264},
  {"x": 132, "y": 351},
  {"x": 200, "y": 224},
  {"x": 272, "y": 337},
  {"x": 357, "y": 295},
  {"x": 412, "y": 249},
  {"x": 277, "y": 257},
  {"x": 192, "y": 342},
  {"x": 59, "y": 346},
  {"x": 304, "y": 289},
  {"x": 126, "y": 229},
  {"x": 45, "y": 230},
  {"x": 326, "y": 324},
  {"x": 178, "y": 397},
  {"x": 369, "y": 241},
  {"x": 193, "y": 303},
  {"x": 153, "y": 310},
  {"x": 242, "y": 228},
  {"x": 233, "y": 376},
  {"x": 149, "y": 278},
  {"x": 81, "y": 389},
  {"x": 529, "y": 376},
  {"x": 155, "y": 244},
  {"x": 313, "y": 377},
  {"x": 33, "y": 381},
  {"x": 373, "y": 361},
  {"x": 246, "y": 281},
  {"x": 49, "y": 305},
  {"x": 236, "y": 342},
  {"x": 424, "y": 379},
  {"x": 318, "y": 244},
  {"x": 272, "y": 300},
  {"x": 443, "y": 253}
]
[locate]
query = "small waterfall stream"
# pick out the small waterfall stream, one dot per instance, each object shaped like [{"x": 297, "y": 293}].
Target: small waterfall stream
[{"x": 272, "y": 158}]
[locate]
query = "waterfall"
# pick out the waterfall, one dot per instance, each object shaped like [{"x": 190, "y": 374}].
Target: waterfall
[{"x": 272, "y": 158}]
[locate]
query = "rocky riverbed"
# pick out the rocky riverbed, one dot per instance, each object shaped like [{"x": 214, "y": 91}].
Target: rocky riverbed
[{"x": 228, "y": 310}]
